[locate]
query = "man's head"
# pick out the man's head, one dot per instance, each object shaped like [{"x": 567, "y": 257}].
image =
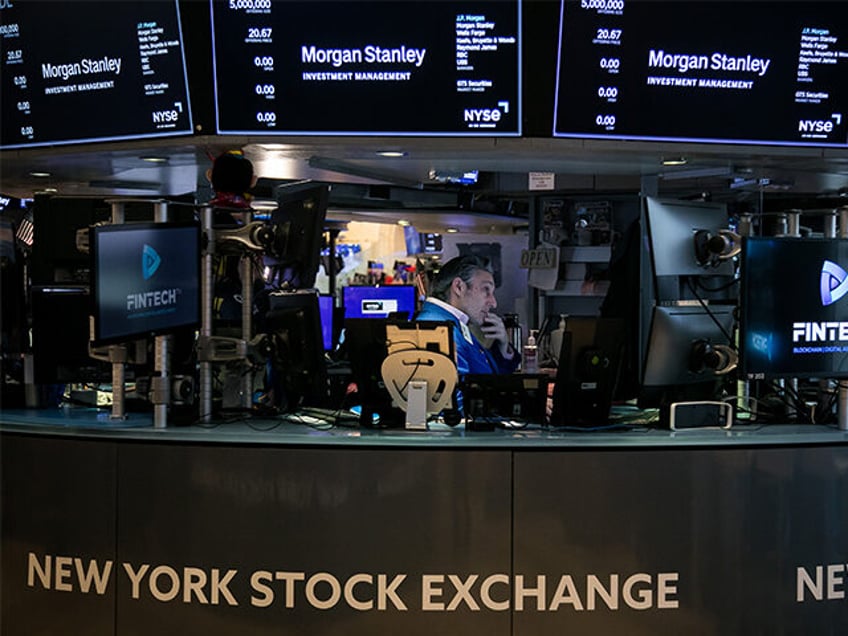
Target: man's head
[
  {"x": 231, "y": 173},
  {"x": 467, "y": 283}
]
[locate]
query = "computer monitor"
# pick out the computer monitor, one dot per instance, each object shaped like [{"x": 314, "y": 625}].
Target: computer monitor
[
  {"x": 419, "y": 370},
  {"x": 55, "y": 257},
  {"x": 684, "y": 352},
  {"x": 60, "y": 333},
  {"x": 379, "y": 301},
  {"x": 299, "y": 223},
  {"x": 367, "y": 343},
  {"x": 678, "y": 235},
  {"x": 299, "y": 375},
  {"x": 145, "y": 280},
  {"x": 679, "y": 314},
  {"x": 794, "y": 309},
  {"x": 365, "y": 348},
  {"x": 418, "y": 243},
  {"x": 492, "y": 400},
  {"x": 590, "y": 361}
]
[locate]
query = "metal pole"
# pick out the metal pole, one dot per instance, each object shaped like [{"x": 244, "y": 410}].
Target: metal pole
[
  {"x": 331, "y": 273},
  {"x": 793, "y": 223},
  {"x": 246, "y": 274},
  {"x": 161, "y": 381},
  {"x": 793, "y": 228},
  {"x": 118, "y": 353},
  {"x": 745, "y": 227},
  {"x": 743, "y": 387},
  {"x": 205, "y": 389}
]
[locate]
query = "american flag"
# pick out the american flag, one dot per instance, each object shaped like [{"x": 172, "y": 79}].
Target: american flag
[{"x": 25, "y": 230}]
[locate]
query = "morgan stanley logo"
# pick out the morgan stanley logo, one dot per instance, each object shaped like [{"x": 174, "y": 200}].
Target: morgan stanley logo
[{"x": 150, "y": 261}]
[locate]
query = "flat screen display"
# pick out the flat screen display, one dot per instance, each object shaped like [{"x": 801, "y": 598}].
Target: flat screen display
[
  {"x": 293, "y": 323},
  {"x": 443, "y": 67},
  {"x": 704, "y": 71},
  {"x": 299, "y": 221},
  {"x": 326, "y": 307},
  {"x": 366, "y": 301},
  {"x": 794, "y": 308},
  {"x": 91, "y": 71},
  {"x": 673, "y": 333},
  {"x": 146, "y": 279}
]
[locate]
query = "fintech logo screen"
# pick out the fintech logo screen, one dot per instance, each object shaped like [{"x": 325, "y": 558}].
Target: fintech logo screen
[
  {"x": 705, "y": 71},
  {"x": 794, "y": 307},
  {"x": 91, "y": 71},
  {"x": 437, "y": 67},
  {"x": 146, "y": 279}
]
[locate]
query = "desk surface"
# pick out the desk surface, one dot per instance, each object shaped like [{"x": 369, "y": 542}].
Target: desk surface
[{"x": 294, "y": 431}]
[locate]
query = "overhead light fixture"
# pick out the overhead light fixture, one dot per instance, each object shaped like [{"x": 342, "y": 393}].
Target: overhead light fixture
[
  {"x": 697, "y": 173},
  {"x": 451, "y": 230},
  {"x": 392, "y": 154},
  {"x": 155, "y": 159},
  {"x": 124, "y": 184},
  {"x": 354, "y": 170},
  {"x": 40, "y": 175},
  {"x": 675, "y": 161}
]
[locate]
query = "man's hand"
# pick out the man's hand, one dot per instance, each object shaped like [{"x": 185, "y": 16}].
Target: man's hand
[{"x": 494, "y": 329}]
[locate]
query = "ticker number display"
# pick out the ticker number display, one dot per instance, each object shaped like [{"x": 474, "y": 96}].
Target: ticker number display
[
  {"x": 704, "y": 71},
  {"x": 441, "y": 67},
  {"x": 91, "y": 71}
]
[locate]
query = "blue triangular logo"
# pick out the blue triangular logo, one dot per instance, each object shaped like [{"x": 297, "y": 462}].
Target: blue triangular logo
[
  {"x": 150, "y": 261},
  {"x": 834, "y": 283}
]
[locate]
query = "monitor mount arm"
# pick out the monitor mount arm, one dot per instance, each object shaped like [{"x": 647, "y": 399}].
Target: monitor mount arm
[
  {"x": 719, "y": 358},
  {"x": 256, "y": 236},
  {"x": 712, "y": 249}
]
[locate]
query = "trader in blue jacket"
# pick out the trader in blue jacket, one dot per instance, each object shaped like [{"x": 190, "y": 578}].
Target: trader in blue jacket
[{"x": 463, "y": 292}]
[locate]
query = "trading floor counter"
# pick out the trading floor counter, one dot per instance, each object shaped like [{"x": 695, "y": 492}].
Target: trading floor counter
[
  {"x": 267, "y": 527},
  {"x": 636, "y": 429}
]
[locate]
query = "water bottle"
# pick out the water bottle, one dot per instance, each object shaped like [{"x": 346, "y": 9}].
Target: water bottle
[{"x": 529, "y": 355}]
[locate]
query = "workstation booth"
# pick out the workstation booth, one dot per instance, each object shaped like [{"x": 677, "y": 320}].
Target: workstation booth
[{"x": 671, "y": 455}]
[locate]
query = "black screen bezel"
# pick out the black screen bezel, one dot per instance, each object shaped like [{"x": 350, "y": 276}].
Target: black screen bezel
[
  {"x": 95, "y": 233},
  {"x": 747, "y": 371}
]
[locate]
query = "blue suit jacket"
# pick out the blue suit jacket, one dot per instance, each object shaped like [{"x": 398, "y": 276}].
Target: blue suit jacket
[{"x": 471, "y": 357}]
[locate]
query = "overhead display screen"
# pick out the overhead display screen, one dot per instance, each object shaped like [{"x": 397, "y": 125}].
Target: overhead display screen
[
  {"x": 91, "y": 71},
  {"x": 706, "y": 71},
  {"x": 398, "y": 67}
]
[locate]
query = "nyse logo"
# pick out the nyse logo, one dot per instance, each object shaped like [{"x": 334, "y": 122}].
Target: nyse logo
[
  {"x": 834, "y": 283},
  {"x": 164, "y": 116},
  {"x": 819, "y": 126},
  {"x": 485, "y": 117},
  {"x": 150, "y": 262},
  {"x": 815, "y": 125}
]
